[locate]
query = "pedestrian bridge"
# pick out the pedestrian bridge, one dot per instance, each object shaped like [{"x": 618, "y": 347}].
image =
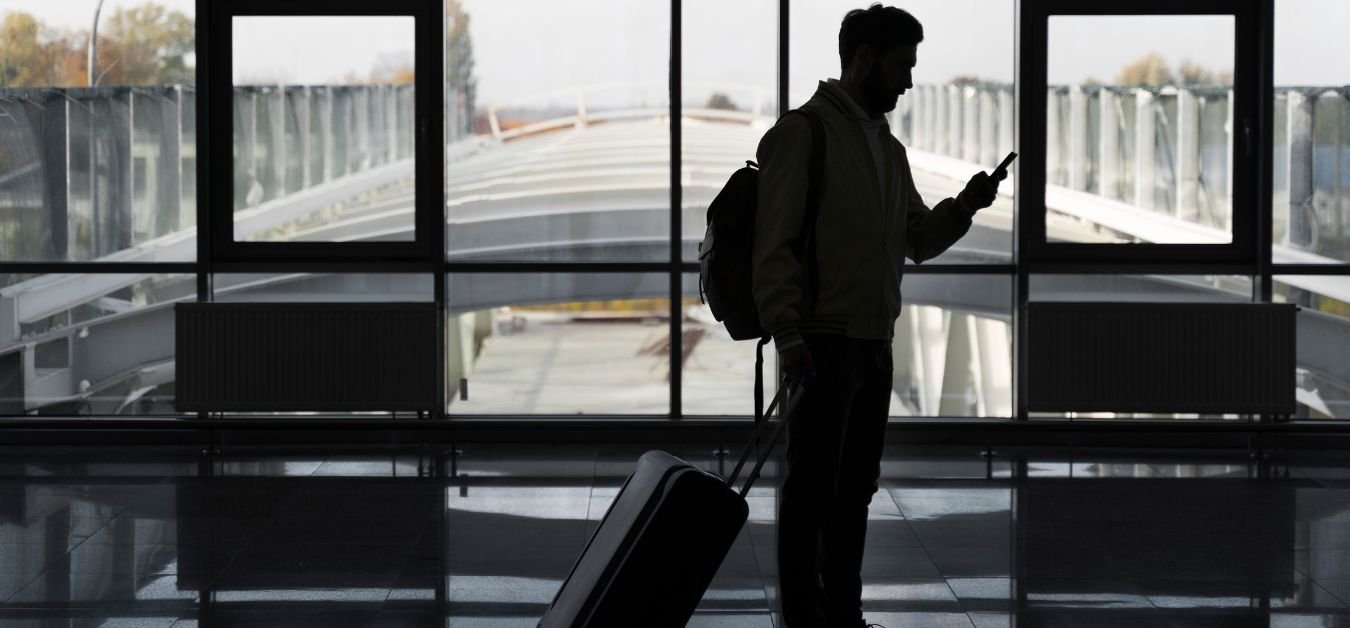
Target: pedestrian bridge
[{"x": 592, "y": 186}]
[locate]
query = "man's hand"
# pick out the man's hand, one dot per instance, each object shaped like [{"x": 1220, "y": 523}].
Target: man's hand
[
  {"x": 797, "y": 364},
  {"x": 982, "y": 189}
]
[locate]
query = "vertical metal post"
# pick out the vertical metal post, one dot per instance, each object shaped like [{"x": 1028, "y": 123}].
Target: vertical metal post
[
  {"x": 391, "y": 127},
  {"x": 988, "y": 143},
  {"x": 1188, "y": 156},
  {"x": 1230, "y": 157},
  {"x": 970, "y": 123},
  {"x": 359, "y": 144},
  {"x": 1006, "y": 111},
  {"x": 53, "y": 111},
  {"x": 326, "y": 133},
  {"x": 956, "y": 370},
  {"x": 899, "y": 118},
  {"x": 1054, "y": 164},
  {"x": 917, "y": 110},
  {"x": 940, "y": 112},
  {"x": 1108, "y": 146},
  {"x": 119, "y": 201},
  {"x": 1145, "y": 160},
  {"x": 168, "y": 181},
  {"x": 1301, "y": 232},
  {"x": 1078, "y": 136},
  {"x": 676, "y": 211},
  {"x": 304, "y": 113},
  {"x": 276, "y": 142},
  {"x": 954, "y": 119},
  {"x": 245, "y": 166}
]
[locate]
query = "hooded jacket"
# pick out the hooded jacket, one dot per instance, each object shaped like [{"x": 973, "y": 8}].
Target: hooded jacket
[{"x": 864, "y": 230}]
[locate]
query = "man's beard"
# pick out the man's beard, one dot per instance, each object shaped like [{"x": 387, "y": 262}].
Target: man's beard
[{"x": 874, "y": 91}]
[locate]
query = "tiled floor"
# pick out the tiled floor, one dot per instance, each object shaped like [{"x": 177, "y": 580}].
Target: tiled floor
[{"x": 383, "y": 537}]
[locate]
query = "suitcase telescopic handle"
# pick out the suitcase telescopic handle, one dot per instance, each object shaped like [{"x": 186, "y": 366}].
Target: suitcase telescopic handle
[{"x": 794, "y": 396}]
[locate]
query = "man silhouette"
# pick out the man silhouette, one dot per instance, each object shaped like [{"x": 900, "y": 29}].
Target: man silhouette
[{"x": 870, "y": 219}]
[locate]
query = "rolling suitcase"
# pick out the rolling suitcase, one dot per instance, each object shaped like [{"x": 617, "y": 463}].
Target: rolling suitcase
[{"x": 660, "y": 543}]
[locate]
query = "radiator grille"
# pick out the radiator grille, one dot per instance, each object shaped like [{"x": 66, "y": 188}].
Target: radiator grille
[
  {"x": 305, "y": 356},
  {"x": 1161, "y": 357}
]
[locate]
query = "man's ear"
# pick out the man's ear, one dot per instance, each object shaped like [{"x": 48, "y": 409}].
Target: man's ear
[{"x": 863, "y": 60}]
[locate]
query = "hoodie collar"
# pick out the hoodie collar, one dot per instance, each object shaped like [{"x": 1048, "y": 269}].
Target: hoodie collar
[{"x": 833, "y": 87}]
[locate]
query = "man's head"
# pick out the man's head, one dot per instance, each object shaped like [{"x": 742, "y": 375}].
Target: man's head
[{"x": 877, "y": 52}]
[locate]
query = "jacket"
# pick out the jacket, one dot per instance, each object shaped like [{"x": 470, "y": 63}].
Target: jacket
[{"x": 864, "y": 229}]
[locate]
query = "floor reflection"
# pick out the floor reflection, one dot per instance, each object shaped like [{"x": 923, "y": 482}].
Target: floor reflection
[{"x": 415, "y": 536}]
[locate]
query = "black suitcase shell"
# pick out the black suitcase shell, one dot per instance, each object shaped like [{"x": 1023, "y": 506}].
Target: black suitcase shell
[{"x": 655, "y": 552}]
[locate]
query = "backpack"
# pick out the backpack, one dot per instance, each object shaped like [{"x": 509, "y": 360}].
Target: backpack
[{"x": 724, "y": 256}]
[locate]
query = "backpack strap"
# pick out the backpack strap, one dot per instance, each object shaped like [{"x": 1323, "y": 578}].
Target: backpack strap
[{"x": 806, "y": 242}]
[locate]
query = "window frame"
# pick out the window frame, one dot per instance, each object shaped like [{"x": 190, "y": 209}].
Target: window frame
[
  {"x": 215, "y": 109},
  {"x": 1252, "y": 91}
]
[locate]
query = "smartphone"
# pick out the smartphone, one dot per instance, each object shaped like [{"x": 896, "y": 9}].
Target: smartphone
[{"x": 1007, "y": 161}]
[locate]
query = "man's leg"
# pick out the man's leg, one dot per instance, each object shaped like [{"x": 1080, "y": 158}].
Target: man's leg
[
  {"x": 812, "y": 463},
  {"x": 859, "y": 471}
]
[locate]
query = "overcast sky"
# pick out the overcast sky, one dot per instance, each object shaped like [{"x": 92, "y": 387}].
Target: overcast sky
[{"x": 526, "y": 47}]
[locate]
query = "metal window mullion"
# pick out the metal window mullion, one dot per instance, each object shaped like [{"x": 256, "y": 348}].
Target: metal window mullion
[{"x": 676, "y": 213}]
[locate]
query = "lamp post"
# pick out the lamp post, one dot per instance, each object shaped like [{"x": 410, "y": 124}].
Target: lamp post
[
  {"x": 93, "y": 147},
  {"x": 93, "y": 43}
]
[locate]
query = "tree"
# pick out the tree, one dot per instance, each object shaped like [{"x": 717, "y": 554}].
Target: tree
[
  {"x": 1150, "y": 69},
  {"x": 32, "y": 55},
  {"x": 393, "y": 69},
  {"x": 720, "y": 101},
  {"x": 145, "y": 45}
]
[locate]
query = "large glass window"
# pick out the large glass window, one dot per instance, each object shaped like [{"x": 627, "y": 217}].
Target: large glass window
[
  {"x": 957, "y": 120},
  {"x": 952, "y": 350},
  {"x": 567, "y": 153},
  {"x": 106, "y": 174},
  {"x": 726, "y": 107},
  {"x": 1138, "y": 113},
  {"x": 323, "y": 128},
  {"x": 89, "y": 344},
  {"x": 1323, "y": 378},
  {"x": 571, "y": 344},
  {"x": 1311, "y": 195}
]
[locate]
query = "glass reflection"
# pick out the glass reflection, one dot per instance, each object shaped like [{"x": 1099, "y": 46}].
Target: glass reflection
[{"x": 418, "y": 536}]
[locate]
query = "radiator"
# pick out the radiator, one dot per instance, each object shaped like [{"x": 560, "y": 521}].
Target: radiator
[
  {"x": 1161, "y": 357},
  {"x": 284, "y": 357}
]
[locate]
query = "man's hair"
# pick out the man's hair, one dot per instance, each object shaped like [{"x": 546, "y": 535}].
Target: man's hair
[{"x": 882, "y": 28}]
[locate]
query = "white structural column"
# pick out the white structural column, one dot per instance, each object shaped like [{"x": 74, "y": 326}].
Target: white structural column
[
  {"x": 907, "y": 377},
  {"x": 325, "y": 148},
  {"x": 957, "y": 381},
  {"x": 917, "y": 110},
  {"x": 460, "y": 344},
  {"x": 1229, "y": 158},
  {"x": 1108, "y": 145},
  {"x": 970, "y": 124},
  {"x": 939, "y": 127},
  {"x": 994, "y": 356},
  {"x": 1299, "y": 212},
  {"x": 1005, "y": 123},
  {"x": 1054, "y": 164},
  {"x": 955, "y": 116},
  {"x": 903, "y": 109},
  {"x": 1078, "y": 136},
  {"x": 1145, "y": 161},
  {"x": 1188, "y": 156},
  {"x": 988, "y": 143},
  {"x": 930, "y": 340}
]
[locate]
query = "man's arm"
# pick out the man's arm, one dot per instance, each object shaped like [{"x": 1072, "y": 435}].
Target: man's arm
[
  {"x": 776, "y": 274},
  {"x": 932, "y": 231}
]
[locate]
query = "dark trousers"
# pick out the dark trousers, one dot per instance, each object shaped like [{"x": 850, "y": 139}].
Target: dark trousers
[{"x": 834, "y": 451}]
